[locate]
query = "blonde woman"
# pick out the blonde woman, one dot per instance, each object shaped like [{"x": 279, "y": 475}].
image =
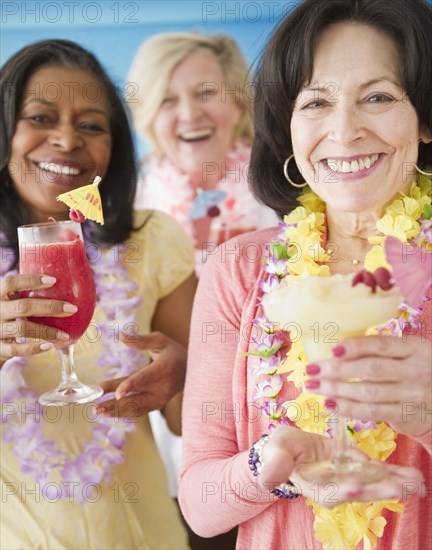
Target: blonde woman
[{"x": 192, "y": 107}]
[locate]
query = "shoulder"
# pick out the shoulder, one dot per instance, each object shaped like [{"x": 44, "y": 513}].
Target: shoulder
[
  {"x": 164, "y": 240},
  {"x": 240, "y": 259},
  {"x": 156, "y": 222}
]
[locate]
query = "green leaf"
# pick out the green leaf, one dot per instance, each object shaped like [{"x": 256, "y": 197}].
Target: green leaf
[
  {"x": 427, "y": 212},
  {"x": 279, "y": 251}
]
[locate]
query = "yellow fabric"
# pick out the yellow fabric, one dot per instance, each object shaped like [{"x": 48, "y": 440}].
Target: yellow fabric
[{"x": 134, "y": 510}]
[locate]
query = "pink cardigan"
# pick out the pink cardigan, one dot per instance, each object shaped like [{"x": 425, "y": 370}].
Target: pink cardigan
[{"x": 221, "y": 422}]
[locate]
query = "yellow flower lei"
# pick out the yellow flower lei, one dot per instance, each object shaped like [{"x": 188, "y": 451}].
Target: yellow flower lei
[{"x": 346, "y": 525}]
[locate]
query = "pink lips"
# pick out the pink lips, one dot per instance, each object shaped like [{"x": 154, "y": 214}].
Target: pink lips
[{"x": 334, "y": 177}]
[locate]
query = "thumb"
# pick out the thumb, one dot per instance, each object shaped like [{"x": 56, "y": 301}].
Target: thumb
[
  {"x": 135, "y": 383},
  {"x": 278, "y": 466},
  {"x": 155, "y": 341}
]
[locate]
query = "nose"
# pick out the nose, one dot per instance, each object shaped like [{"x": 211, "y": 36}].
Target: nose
[
  {"x": 65, "y": 136},
  {"x": 346, "y": 124},
  {"x": 189, "y": 108}
]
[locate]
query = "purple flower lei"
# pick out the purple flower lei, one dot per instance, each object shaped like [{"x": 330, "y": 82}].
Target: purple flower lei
[{"x": 59, "y": 474}]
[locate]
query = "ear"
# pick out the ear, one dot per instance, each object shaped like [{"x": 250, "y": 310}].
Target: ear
[{"x": 425, "y": 135}]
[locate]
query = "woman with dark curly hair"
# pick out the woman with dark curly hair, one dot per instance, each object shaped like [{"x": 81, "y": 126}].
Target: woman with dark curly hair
[{"x": 75, "y": 477}]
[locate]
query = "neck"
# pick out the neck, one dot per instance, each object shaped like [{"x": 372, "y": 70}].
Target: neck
[
  {"x": 39, "y": 216},
  {"x": 348, "y": 233},
  {"x": 351, "y": 225}
]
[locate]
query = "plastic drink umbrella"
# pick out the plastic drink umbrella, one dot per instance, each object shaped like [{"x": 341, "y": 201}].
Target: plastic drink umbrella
[{"x": 85, "y": 199}]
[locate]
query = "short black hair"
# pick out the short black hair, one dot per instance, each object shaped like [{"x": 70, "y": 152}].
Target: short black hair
[
  {"x": 287, "y": 64},
  {"x": 119, "y": 185}
]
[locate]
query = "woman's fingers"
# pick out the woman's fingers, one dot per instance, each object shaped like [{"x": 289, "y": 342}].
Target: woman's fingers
[
  {"x": 110, "y": 386},
  {"x": 12, "y": 306},
  {"x": 36, "y": 307},
  {"x": 369, "y": 393},
  {"x": 15, "y": 310},
  {"x": 23, "y": 328},
  {"x": 380, "y": 345},
  {"x": 371, "y": 369},
  {"x": 10, "y": 348},
  {"x": 14, "y": 283},
  {"x": 397, "y": 483},
  {"x": 131, "y": 406}
]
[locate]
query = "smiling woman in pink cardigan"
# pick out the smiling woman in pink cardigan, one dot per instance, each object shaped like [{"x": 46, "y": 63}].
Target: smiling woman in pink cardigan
[{"x": 341, "y": 116}]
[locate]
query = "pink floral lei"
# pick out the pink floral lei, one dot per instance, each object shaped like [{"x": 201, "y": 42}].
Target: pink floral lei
[
  {"x": 59, "y": 474},
  {"x": 168, "y": 189}
]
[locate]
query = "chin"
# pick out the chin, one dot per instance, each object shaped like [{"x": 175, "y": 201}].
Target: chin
[{"x": 348, "y": 205}]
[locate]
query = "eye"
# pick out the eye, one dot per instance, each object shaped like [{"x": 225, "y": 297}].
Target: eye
[
  {"x": 39, "y": 119},
  {"x": 379, "y": 98},
  {"x": 167, "y": 101},
  {"x": 94, "y": 128},
  {"x": 315, "y": 104},
  {"x": 208, "y": 91}
]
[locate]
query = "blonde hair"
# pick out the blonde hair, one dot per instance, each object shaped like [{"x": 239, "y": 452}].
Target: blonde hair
[{"x": 157, "y": 57}]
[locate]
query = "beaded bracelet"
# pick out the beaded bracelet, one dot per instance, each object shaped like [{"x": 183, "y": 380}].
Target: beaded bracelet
[{"x": 285, "y": 490}]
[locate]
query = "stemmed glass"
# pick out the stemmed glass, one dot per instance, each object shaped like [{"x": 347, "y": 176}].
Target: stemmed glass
[
  {"x": 341, "y": 465},
  {"x": 57, "y": 249},
  {"x": 337, "y": 308}
]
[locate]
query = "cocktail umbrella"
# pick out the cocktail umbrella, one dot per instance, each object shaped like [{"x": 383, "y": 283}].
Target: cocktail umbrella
[{"x": 86, "y": 200}]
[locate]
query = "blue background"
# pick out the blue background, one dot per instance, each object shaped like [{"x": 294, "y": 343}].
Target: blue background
[{"x": 114, "y": 29}]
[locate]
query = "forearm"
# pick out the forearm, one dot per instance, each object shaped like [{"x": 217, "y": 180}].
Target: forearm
[
  {"x": 219, "y": 493},
  {"x": 173, "y": 413}
]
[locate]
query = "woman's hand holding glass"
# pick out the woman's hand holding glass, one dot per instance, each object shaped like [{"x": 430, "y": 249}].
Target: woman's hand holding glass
[
  {"x": 15, "y": 311},
  {"x": 395, "y": 384},
  {"x": 290, "y": 448}
]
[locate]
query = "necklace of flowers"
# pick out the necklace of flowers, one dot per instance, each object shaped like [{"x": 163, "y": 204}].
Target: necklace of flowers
[
  {"x": 59, "y": 475},
  {"x": 169, "y": 189},
  {"x": 408, "y": 218}
]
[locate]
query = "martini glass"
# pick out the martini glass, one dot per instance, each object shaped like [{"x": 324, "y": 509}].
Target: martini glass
[
  {"x": 327, "y": 310},
  {"x": 57, "y": 249}
]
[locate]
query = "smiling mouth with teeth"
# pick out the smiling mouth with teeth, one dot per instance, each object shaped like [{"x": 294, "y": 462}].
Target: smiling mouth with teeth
[
  {"x": 195, "y": 135},
  {"x": 59, "y": 169},
  {"x": 347, "y": 167}
]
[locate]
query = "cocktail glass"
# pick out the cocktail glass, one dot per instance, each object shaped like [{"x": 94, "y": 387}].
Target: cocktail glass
[
  {"x": 57, "y": 249},
  {"x": 327, "y": 310}
]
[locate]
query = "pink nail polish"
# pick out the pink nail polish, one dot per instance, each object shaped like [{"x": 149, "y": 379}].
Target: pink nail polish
[
  {"x": 312, "y": 384},
  {"x": 330, "y": 404},
  {"x": 339, "y": 351},
  {"x": 312, "y": 369}
]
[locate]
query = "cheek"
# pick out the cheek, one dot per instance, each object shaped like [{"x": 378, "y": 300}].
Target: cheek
[
  {"x": 101, "y": 154},
  {"x": 302, "y": 140},
  {"x": 21, "y": 143},
  {"x": 163, "y": 129}
]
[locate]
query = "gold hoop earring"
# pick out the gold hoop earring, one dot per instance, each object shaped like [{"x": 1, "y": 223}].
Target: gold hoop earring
[
  {"x": 285, "y": 171},
  {"x": 415, "y": 165},
  {"x": 421, "y": 171}
]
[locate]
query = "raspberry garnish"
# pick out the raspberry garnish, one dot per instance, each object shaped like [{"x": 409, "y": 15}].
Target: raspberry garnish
[
  {"x": 76, "y": 216},
  {"x": 383, "y": 278},
  {"x": 380, "y": 277}
]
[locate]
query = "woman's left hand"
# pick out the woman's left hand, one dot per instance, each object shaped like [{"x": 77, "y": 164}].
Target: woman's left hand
[
  {"x": 395, "y": 385},
  {"x": 152, "y": 386}
]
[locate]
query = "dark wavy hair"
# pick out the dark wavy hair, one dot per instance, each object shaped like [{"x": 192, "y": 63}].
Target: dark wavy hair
[
  {"x": 287, "y": 64},
  {"x": 119, "y": 184}
]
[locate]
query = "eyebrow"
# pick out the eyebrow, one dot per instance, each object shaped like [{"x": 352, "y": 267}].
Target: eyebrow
[
  {"x": 365, "y": 85},
  {"x": 52, "y": 104}
]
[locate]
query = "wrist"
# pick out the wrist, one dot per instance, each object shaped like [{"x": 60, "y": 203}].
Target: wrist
[{"x": 287, "y": 490}]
